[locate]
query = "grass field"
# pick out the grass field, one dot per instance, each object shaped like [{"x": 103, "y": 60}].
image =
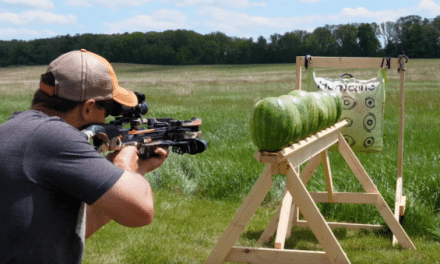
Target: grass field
[{"x": 197, "y": 196}]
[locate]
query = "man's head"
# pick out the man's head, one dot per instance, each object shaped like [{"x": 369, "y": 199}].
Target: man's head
[{"x": 81, "y": 79}]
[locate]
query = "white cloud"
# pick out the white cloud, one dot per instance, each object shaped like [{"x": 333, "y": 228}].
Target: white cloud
[
  {"x": 311, "y": 1},
  {"x": 423, "y": 8},
  {"x": 40, "y": 4},
  {"x": 160, "y": 20},
  {"x": 115, "y": 3},
  {"x": 11, "y": 33},
  {"x": 229, "y": 3},
  {"x": 8, "y": 17},
  {"x": 428, "y": 7},
  {"x": 348, "y": 14},
  {"x": 36, "y": 17},
  {"x": 105, "y": 3},
  {"x": 232, "y": 22}
]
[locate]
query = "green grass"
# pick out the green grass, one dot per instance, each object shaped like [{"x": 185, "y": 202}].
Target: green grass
[{"x": 197, "y": 196}]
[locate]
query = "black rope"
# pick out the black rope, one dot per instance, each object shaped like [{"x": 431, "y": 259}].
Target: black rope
[
  {"x": 386, "y": 63},
  {"x": 402, "y": 63},
  {"x": 401, "y": 57},
  {"x": 307, "y": 61}
]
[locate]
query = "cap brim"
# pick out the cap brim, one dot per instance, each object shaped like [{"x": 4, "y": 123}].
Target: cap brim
[{"x": 125, "y": 97}]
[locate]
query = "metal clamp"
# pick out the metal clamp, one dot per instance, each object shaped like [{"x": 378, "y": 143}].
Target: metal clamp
[{"x": 307, "y": 61}]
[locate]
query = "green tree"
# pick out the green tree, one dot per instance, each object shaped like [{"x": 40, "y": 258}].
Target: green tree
[
  {"x": 327, "y": 44},
  {"x": 346, "y": 37},
  {"x": 409, "y": 34},
  {"x": 259, "y": 50},
  {"x": 368, "y": 43},
  {"x": 290, "y": 46}
]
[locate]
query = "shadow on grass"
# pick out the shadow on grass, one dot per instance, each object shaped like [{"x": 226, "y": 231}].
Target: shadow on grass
[{"x": 303, "y": 238}]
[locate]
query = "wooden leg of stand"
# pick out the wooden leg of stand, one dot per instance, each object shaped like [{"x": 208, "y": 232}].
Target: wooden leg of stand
[
  {"x": 355, "y": 166},
  {"x": 394, "y": 224},
  {"x": 398, "y": 203},
  {"x": 306, "y": 174},
  {"x": 241, "y": 219},
  {"x": 314, "y": 218},
  {"x": 283, "y": 222},
  {"x": 271, "y": 227},
  {"x": 369, "y": 187},
  {"x": 328, "y": 175}
]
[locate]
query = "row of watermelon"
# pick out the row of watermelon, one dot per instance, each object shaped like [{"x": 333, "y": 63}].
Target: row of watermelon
[{"x": 278, "y": 122}]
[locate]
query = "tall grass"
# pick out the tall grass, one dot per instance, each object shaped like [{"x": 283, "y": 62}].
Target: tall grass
[{"x": 223, "y": 96}]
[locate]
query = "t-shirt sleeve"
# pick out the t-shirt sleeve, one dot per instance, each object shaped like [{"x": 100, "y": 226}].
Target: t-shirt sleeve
[{"x": 58, "y": 157}]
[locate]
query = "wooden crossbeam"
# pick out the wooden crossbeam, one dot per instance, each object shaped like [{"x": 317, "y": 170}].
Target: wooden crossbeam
[
  {"x": 347, "y": 62},
  {"x": 275, "y": 256}
]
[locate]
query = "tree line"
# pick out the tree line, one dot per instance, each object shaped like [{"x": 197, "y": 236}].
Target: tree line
[{"x": 413, "y": 35}]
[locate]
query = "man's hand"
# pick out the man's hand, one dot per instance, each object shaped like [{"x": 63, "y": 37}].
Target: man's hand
[{"x": 128, "y": 159}]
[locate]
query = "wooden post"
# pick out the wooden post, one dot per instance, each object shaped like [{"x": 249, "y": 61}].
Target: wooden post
[
  {"x": 316, "y": 222},
  {"x": 400, "y": 201},
  {"x": 299, "y": 64}
]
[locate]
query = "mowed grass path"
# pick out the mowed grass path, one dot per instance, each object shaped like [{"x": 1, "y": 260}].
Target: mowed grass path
[{"x": 197, "y": 196}]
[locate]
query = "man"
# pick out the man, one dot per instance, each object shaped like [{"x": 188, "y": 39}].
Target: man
[{"x": 52, "y": 180}]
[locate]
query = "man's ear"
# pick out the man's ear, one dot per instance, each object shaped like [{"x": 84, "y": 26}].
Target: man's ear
[{"x": 87, "y": 109}]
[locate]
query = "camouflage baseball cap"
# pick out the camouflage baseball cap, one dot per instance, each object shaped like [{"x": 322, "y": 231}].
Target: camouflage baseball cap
[{"x": 81, "y": 75}]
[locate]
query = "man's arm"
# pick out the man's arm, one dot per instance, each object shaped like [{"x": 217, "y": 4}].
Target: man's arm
[{"x": 130, "y": 200}]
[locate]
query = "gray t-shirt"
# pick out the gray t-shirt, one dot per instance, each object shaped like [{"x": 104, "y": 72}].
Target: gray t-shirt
[{"x": 47, "y": 171}]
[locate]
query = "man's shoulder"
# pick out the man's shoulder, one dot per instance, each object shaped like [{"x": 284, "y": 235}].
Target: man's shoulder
[
  {"x": 32, "y": 118},
  {"x": 39, "y": 127}
]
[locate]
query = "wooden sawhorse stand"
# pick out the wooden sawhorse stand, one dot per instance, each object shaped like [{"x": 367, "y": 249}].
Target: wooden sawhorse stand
[{"x": 287, "y": 161}]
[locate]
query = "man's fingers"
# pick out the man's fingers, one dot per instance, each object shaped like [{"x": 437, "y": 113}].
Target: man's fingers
[{"x": 163, "y": 151}]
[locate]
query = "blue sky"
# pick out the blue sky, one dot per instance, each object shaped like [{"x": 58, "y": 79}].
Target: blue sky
[{"x": 33, "y": 19}]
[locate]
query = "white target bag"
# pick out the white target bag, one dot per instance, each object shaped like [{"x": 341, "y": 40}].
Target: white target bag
[{"x": 363, "y": 108}]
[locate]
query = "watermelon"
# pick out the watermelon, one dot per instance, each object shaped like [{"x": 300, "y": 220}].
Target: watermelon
[
  {"x": 274, "y": 124},
  {"x": 301, "y": 112},
  {"x": 320, "y": 103},
  {"x": 313, "y": 113},
  {"x": 331, "y": 105},
  {"x": 338, "y": 100}
]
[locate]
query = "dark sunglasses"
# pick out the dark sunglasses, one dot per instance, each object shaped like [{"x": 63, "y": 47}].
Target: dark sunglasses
[{"x": 107, "y": 104}]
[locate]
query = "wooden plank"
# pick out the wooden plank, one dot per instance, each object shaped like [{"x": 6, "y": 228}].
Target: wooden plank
[
  {"x": 241, "y": 219},
  {"x": 355, "y": 165},
  {"x": 399, "y": 187},
  {"x": 283, "y": 221},
  {"x": 402, "y": 206},
  {"x": 271, "y": 227},
  {"x": 393, "y": 224},
  {"x": 351, "y": 226},
  {"x": 328, "y": 175},
  {"x": 293, "y": 210},
  {"x": 401, "y": 124},
  {"x": 303, "y": 151},
  {"x": 350, "y": 62},
  {"x": 275, "y": 256},
  {"x": 267, "y": 157},
  {"x": 280, "y": 168},
  {"x": 319, "y": 141},
  {"x": 306, "y": 174},
  {"x": 299, "y": 64},
  {"x": 345, "y": 197},
  {"x": 398, "y": 204},
  {"x": 310, "y": 168},
  {"x": 316, "y": 221}
]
